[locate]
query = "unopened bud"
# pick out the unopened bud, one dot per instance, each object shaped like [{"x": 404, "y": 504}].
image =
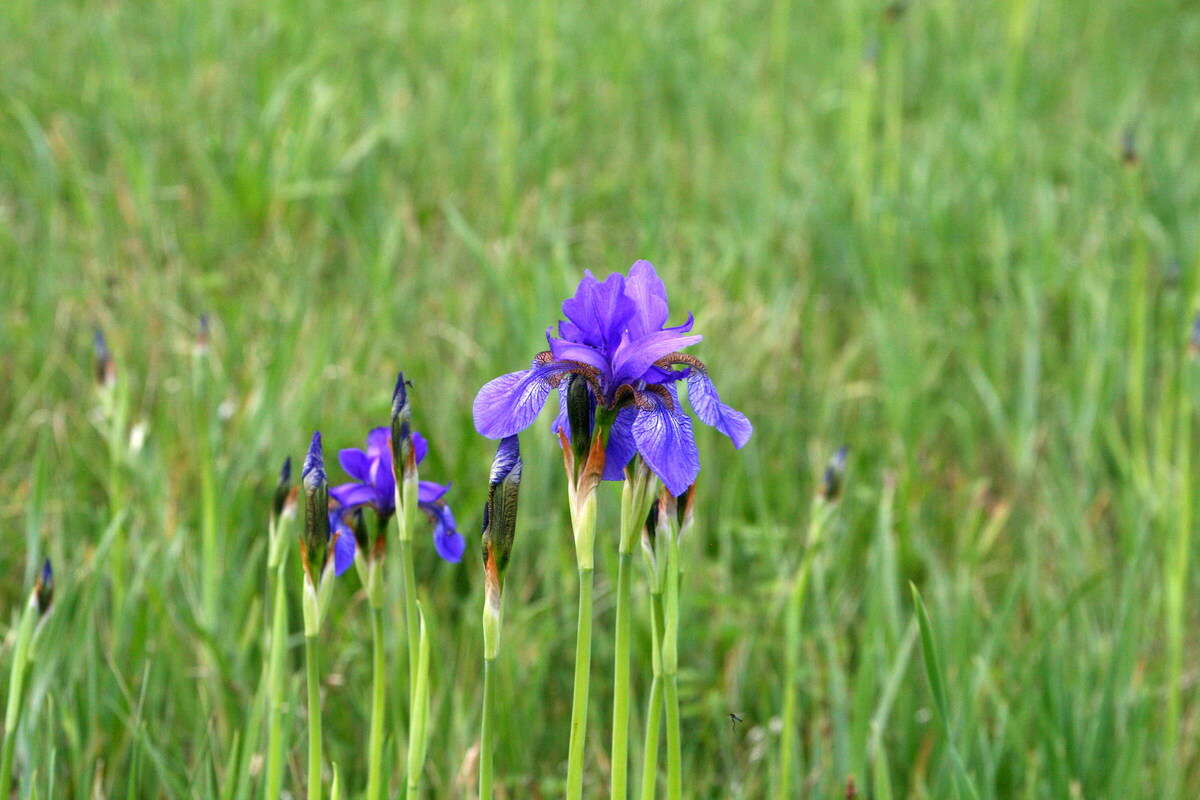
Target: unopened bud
[
  {"x": 581, "y": 416},
  {"x": 283, "y": 490},
  {"x": 314, "y": 541},
  {"x": 403, "y": 455},
  {"x": 105, "y": 370},
  {"x": 500, "y": 513},
  {"x": 44, "y": 588},
  {"x": 835, "y": 471}
]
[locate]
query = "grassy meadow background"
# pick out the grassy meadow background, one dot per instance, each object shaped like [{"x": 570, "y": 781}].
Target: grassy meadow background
[{"x": 910, "y": 230}]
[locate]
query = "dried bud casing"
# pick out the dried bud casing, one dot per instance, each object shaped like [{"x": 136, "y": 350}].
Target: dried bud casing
[
  {"x": 314, "y": 542},
  {"x": 44, "y": 588}
]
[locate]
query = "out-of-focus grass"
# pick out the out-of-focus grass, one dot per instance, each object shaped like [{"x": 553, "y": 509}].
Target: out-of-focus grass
[{"x": 910, "y": 233}]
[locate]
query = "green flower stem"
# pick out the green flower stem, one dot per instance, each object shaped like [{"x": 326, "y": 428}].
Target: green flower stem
[
  {"x": 655, "y": 703},
  {"x": 275, "y": 685},
  {"x": 420, "y": 712},
  {"x": 16, "y": 688},
  {"x": 636, "y": 496},
  {"x": 620, "y": 723},
  {"x": 406, "y": 504},
  {"x": 670, "y": 659},
  {"x": 311, "y": 655},
  {"x": 486, "y": 745},
  {"x": 375, "y": 787},
  {"x": 579, "y": 701},
  {"x": 793, "y": 617}
]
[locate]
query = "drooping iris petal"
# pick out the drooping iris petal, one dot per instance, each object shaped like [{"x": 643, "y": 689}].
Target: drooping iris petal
[
  {"x": 355, "y": 463},
  {"x": 633, "y": 357},
  {"x": 344, "y": 547},
  {"x": 350, "y": 495},
  {"x": 621, "y": 445},
  {"x": 343, "y": 541},
  {"x": 703, "y": 397},
  {"x": 420, "y": 446},
  {"x": 430, "y": 492},
  {"x": 664, "y": 438},
  {"x": 598, "y": 311},
  {"x": 448, "y": 542},
  {"x": 648, "y": 295},
  {"x": 508, "y": 404}
]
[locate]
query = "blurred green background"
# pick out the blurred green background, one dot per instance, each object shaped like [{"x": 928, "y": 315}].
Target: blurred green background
[{"x": 957, "y": 236}]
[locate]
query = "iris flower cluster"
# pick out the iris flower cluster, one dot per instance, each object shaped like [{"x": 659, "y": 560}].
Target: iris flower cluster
[
  {"x": 617, "y": 364},
  {"x": 615, "y": 338}
]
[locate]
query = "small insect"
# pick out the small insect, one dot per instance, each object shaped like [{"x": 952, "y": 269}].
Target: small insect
[{"x": 734, "y": 719}]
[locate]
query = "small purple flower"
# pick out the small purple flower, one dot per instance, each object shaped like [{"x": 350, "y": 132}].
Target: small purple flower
[
  {"x": 616, "y": 337},
  {"x": 375, "y": 486}
]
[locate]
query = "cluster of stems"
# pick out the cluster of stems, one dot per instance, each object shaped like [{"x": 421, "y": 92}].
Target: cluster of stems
[
  {"x": 24, "y": 654},
  {"x": 823, "y": 505}
]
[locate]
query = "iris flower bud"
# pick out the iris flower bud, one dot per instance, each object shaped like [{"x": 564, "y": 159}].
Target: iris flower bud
[
  {"x": 283, "y": 490},
  {"x": 105, "y": 368},
  {"x": 403, "y": 455},
  {"x": 499, "y": 531},
  {"x": 835, "y": 471},
  {"x": 44, "y": 588},
  {"x": 314, "y": 543},
  {"x": 581, "y": 414}
]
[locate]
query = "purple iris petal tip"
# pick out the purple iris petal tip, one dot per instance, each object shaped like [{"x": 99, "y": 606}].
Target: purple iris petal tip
[
  {"x": 314, "y": 464},
  {"x": 508, "y": 458}
]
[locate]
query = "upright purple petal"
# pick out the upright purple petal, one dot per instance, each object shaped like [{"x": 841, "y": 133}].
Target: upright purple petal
[
  {"x": 510, "y": 403},
  {"x": 563, "y": 350},
  {"x": 703, "y": 397},
  {"x": 356, "y": 463},
  {"x": 378, "y": 443},
  {"x": 634, "y": 357},
  {"x": 598, "y": 310},
  {"x": 648, "y": 295},
  {"x": 664, "y": 438},
  {"x": 508, "y": 455},
  {"x": 621, "y": 445}
]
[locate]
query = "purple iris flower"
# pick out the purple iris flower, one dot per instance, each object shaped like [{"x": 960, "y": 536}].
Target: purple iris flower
[
  {"x": 375, "y": 486},
  {"x": 616, "y": 337}
]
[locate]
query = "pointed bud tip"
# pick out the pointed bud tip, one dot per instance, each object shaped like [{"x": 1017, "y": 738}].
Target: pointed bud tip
[
  {"x": 507, "y": 463},
  {"x": 314, "y": 464},
  {"x": 400, "y": 395}
]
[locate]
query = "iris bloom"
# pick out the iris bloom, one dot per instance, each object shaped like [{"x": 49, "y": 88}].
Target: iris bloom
[
  {"x": 616, "y": 337},
  {"x": 375, "y": 486}
]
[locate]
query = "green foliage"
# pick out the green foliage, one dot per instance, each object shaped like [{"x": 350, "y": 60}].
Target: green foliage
[{"x": 914, "y": 234}]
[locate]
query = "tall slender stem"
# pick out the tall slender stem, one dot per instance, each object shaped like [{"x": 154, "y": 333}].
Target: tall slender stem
[
  {"x": 579, "y": 702},
  {"x": 411, "y": 623},
  {"x": 486, "y": 745},
  {"x": 793, "y": 617},
  {"x": 16, "y": 690},
  {"x": 620, "y": 729},
  {"x": 655, "y": 704},
  {"x": 419, "y": 714},
  {"x": 375, "y": 787},
  {"x": 314, "y": 718},
  {"x": 670, "y": 656},
  {"x": 275, "y": 688}
]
